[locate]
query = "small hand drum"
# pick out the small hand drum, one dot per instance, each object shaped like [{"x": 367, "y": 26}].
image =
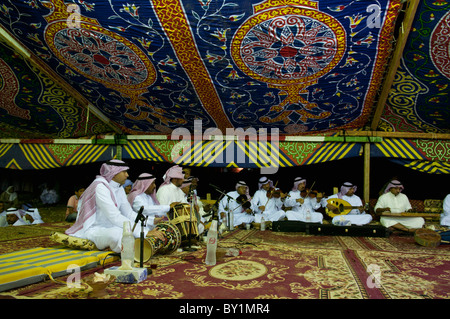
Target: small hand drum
[{"x": 427, "y": 237}]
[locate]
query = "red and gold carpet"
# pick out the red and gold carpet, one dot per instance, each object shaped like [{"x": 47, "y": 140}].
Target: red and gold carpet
[{"x": 277, "y": 265}]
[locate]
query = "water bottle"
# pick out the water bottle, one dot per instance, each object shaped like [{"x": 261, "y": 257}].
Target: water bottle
[
  {"x": 127, "y": 250},
  {"x": 308, "y": 216},
  {"x": 263, "y": 224},
  {"x": 211, "y": 244}
]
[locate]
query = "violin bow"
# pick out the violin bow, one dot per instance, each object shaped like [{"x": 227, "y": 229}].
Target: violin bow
[
  {"x": 310, "y": 189},
  {"x": 275, "y": 186}
]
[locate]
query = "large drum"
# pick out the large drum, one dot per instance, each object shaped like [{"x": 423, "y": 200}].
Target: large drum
[
  {"x": 153, "y": 245},
  {"x": 180, "y": 216}
]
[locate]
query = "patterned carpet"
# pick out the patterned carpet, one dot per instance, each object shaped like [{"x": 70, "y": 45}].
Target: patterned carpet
[{"x": 276, "y": 265}]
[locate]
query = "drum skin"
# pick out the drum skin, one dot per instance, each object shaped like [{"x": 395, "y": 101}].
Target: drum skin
[{"x": 427, "y": 237}]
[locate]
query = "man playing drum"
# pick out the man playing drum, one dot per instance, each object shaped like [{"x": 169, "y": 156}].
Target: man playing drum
[
  {"x": 143, "y": 194},
  {"x": 104, "y": 208},
  {"x": 170, "y": 192}
]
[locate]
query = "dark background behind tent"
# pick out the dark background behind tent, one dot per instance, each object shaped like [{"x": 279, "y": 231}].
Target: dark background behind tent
[{"x": 418, "y": 185}]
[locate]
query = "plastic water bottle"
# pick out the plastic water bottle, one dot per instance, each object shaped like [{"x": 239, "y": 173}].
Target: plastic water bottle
[
  {"x": 308, "y": 216},
  {"x": 263, "y": 224},
  {"x": 127, "y": 250},
  {"x": 211, "y": 244}
]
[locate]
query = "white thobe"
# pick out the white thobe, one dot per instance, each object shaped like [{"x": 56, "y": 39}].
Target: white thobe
[
  {"x": 106, "y": 228},
  {"x": 151, "y": 210},
  {"x": 397, "y": 204},
  {"x": 168, "y": 194},
  {"x": 19, "y": 222},
  {"x": 272, "y": 211},
  {"x": 305, "y": 212},
  {"x": 200, "y": 219},
  {"x": 37, "y": 219},
  {"x": 355, "y": 216},
  {"x": 231, "y": 206},
  {"x": 445, "y": 216}
]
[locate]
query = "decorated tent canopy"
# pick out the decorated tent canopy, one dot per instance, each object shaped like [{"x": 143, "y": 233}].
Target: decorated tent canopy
[{"x": 224, "y": 83}]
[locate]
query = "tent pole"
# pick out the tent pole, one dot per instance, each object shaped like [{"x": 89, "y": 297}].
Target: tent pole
[
  {"x": 395, "y": 62},
  {"x": 366, "y": 172}
]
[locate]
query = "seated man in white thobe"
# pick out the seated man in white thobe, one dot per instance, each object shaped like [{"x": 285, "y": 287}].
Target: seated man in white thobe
[
  {"x": 445, "y": 216},
  {"x": 189, "y": 187},
  {"x": 143, "y": 194},
  {"x": 13, "y": 217},
  {"x": 237, "y": 203},
  {"x": 357, "y": 216},
  {"x": 170, "y": 192},
  {"x": 393, "y": 201},
  {"x": 302, "y": 208},
  {"x": 269, "y": 208},
  {"x": 104, "y": 208},
  {"x": 33, "y": 217}
]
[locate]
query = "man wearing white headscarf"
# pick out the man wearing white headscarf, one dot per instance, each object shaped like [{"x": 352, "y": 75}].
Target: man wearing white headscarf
[
  {"x": 104, "y": 208},
  {"x": 143, "y": 194},
  {"x": 230, "y": 204},
  {"x": 33, "y": 217},
  {"x": 302, "y": 208},
  {"x": 263, "y": 206},
  {"x": 189, "y": 187},
  {"x": 170, "y": 192},
  {"x": 356, "y": 216},
  {"x": 9, "y": 198},
  {"x": 394, "y": 201},
  {"x": 14, "y": 217}
]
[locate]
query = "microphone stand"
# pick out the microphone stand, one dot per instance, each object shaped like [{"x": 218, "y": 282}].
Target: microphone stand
[
  {"x": 140, "y": 217},
  {"x": 190, "y": 197},
  {"x": 221, "y": 196}
]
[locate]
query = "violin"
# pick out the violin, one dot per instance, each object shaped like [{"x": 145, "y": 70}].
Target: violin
[
  {"x": 275, "y": 193},
  {"x": 310, "y": 193},
  {"x": 243, "y": 201}
]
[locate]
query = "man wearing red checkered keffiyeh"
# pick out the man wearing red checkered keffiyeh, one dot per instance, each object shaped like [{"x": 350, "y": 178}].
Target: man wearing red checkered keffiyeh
[{"x": 104, "y": 208}]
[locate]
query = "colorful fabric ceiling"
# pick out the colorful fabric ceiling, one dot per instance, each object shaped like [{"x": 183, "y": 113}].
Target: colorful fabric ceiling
[
  {"x": 246, "y": 153},
  {"x": 429, "y": 156},
  {"x": 420, "y": 97},
  {"x": 152, "y": 66},
  {"x": 43, "y": 156},
  {"x": 32, "y": 105}
]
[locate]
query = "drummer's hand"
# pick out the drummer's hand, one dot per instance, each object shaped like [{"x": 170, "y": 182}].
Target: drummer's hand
[
  {"x": 158, "y": 220},
  {"x": 156, "y": 233}
]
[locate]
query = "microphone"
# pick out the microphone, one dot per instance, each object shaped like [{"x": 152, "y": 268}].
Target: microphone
[{"x": 139, "y": 217}]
